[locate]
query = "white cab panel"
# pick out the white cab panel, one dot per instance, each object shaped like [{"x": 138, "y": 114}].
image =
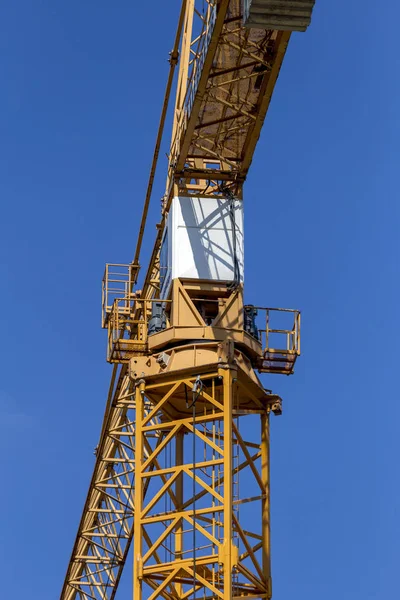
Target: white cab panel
[{"x": 199, "y": 242}]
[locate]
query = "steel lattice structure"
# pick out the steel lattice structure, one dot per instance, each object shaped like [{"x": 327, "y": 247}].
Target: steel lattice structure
[{"x": 182, "y": 464}]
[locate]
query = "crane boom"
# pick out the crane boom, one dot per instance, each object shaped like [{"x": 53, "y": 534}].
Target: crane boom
[
  {"x": 221, "y": 103},
  {"x": 185, "y": 349}
]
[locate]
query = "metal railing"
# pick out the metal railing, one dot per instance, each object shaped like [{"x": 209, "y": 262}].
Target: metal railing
[
  {"x": 278, "y": 330},
  {"x": 128, "y": 327},
  {"x": 291, "y": 344},
  {"x": 118, "y": 281}
]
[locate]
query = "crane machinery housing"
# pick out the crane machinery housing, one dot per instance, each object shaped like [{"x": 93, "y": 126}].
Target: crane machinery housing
[{"x": 182, "y": 465}]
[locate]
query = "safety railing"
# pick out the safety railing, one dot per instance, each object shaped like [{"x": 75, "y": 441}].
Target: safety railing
[
  {"x": 278, "y": 330},
  {"x": 129, "y": 328},
  {"x": 118, "y": 281}
]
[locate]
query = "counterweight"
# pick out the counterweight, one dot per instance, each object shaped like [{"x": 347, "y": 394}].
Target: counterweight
[{"x": 182, "y": 465}]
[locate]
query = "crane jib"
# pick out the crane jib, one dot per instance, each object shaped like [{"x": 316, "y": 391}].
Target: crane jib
[{"x": 198, "y": 65}]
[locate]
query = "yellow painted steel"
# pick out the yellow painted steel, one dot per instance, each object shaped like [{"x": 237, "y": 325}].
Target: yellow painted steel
[
  {"x": 226, "y": 560},
  {"x": 182, "y": 464}
]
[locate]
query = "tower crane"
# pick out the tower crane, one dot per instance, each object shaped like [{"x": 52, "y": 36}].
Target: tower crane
[{"x": 181, "y": 477}]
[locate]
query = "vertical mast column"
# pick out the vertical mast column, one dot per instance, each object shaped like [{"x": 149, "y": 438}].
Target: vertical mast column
[
  {"x": 139, "y": 459},
  {"x": 179, "y": 498},
  {"x": 265, "y": 506},
  {"x": 228, "y": 376}
]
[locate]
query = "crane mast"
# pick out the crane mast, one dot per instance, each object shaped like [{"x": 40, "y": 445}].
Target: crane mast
[{"x": 182, "y": 465}]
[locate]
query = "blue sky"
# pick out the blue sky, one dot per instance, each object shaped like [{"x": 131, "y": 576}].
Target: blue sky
[{"x": 81, "y": 89}]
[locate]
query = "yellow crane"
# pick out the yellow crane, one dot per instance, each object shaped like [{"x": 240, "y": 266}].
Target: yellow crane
[{"x": 182, "y": 465}]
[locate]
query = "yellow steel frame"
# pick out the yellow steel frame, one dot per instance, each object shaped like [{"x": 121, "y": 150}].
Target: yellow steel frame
[
  {"x": 147, "y": 425},
  {"x": 226, "y": 77},
  {"x": 197, "y": 545},
  {"x": 127, "y": 320},
  {"x": 225, "y": 85},
  {"x": 226, "y": 80},
  {"x": 105, "y": 529}
]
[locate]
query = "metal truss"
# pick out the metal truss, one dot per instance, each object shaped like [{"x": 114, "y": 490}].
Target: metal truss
[
  {"x": 227, "y": 76},
  {"x": 154, "y": 444},
  {"x": 155, "y": 436},
  {"x": 105, "y": 530},
  {"x": 195, "y": 531}
]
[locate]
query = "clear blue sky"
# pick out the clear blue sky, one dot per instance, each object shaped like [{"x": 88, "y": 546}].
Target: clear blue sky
[{"x": 81, "y": 88}]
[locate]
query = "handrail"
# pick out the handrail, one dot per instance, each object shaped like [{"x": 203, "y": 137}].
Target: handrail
[
  {"x": 128, "y": 326},
  {"x": 292, "y": 334}
]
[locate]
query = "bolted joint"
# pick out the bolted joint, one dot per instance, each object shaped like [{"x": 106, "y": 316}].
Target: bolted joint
[
  {"x": 173, "y": 57},
  {"x": 275, "y": 406},
  {"x": 141, "y": 384}
]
